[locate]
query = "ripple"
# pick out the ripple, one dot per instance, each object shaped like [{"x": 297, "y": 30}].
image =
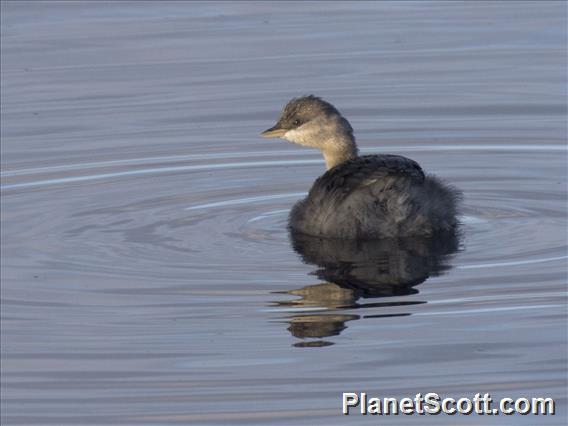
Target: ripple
[
  {"x": 205, "y": 167},
  {"x": 271, "y": 213},
  {"x": 144, "y": 225},
  {"x": 516, "y": 263},
  {"x": 246, "y": 200},
  {"x": 164, "y": 220},
  {"x": 159, "y": 170}
]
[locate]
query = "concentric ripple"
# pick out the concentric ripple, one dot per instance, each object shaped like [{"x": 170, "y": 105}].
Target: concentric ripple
[
  {"x": 163, "y": 217},
  {"x": 147, "y": 274}
]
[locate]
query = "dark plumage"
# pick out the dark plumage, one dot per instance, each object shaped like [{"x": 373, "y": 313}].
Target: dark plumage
[{"x": 365, "y": 197}]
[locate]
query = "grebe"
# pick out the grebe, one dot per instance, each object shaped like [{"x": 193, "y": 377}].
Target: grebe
[{"x": 361, "y": 197}]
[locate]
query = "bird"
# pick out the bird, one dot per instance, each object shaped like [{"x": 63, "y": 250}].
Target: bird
[{"x": 361, "y": 197}]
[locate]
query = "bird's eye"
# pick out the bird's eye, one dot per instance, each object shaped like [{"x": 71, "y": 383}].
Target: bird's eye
[{"x": 297, "y": 122}]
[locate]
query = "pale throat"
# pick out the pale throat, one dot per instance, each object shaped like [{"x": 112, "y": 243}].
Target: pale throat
[
  {"x": 337, "y": 154},
  {"x": 335, "y": 150}
]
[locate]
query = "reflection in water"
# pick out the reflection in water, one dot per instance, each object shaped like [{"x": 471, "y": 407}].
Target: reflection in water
[{"x": 360, "y": 269}]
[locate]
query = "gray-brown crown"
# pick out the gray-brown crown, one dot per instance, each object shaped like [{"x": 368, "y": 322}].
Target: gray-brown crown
[{"x": 303, "y": 109}]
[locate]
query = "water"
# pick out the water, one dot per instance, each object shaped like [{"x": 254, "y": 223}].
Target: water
[{"x": 147, "y": 275}]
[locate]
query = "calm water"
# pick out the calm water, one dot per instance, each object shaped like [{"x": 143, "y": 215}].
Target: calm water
[{"x": 147, "y": 274}]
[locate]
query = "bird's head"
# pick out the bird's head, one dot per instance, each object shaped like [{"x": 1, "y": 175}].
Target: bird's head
[{"x": 313, "y": 122}]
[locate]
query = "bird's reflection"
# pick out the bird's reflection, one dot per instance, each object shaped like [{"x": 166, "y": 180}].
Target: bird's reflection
[{"x": 354, "y": 270}]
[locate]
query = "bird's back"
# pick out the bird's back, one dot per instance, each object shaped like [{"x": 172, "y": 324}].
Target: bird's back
[
  {"x": 373, "y": 196},
  {"x": 342, "y": 180}
]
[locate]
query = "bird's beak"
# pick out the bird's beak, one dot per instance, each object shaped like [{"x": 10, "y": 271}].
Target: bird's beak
[{"x": 274, "y": 132}]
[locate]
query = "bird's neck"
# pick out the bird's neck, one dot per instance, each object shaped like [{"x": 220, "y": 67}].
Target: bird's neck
[{"x": 339, "y": 151}]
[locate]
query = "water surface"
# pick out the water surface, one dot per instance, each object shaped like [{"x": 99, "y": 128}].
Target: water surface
[{"x": 147, "y": 274}]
